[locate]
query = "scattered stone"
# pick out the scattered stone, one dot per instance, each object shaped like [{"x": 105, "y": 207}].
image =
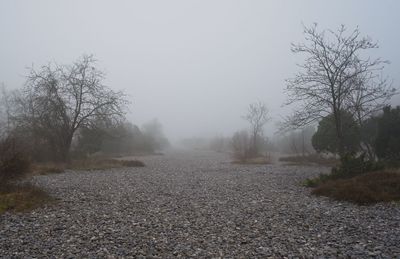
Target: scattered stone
[{"x": 197, "y": 205}]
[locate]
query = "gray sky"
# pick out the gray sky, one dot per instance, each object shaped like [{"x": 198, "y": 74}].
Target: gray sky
[{"x": 194, "y": 65}]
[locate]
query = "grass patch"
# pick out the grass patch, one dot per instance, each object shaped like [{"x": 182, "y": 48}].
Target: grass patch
[
  {"x": 85, "y": 165},
  {"x": 368, "y": 188},
  {"x": 47, "y": 168},
  {"x": 102, "y": 164},
  {"x": 22, "y": 198},
  {"x": 254, "y": 161}
]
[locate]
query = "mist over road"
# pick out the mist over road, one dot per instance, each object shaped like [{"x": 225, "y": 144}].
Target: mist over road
[{"x": 196, "y": 204}]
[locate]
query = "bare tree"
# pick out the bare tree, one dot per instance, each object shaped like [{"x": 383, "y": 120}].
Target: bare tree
[
  {"x": 335, "y": 76},
  {"x": 257, "y": 115},
  {"x": 58, "y": 100}
]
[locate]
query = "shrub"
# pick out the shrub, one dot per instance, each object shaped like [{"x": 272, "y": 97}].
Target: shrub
[
  {"x": 325, "y": 138},
  {"x": 387, "y": 142},
  {"x": 132, "y": 163},
  {"x": 14, "y": 164},
  {"x": 102, "y": 164},
  {"x": 350, "y": 167},
  {"x": 368, "y": 188}
]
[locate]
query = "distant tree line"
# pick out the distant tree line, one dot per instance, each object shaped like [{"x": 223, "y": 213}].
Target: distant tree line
[
  {"x": 66, "y": 110},
  {"x": 342, "y": 88}
]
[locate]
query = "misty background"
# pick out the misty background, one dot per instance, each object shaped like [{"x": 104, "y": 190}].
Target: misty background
[{"x": 193, "y": 65}]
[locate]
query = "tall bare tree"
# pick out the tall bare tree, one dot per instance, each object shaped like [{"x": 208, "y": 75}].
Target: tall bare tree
[
  {"x": 60, "y": 99},
  {"x": 257, "y": 115},
  {"x": 336, "y": 75}
]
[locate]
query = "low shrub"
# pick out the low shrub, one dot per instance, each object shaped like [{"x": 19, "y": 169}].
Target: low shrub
[
  {"x": 132, "y": 163},
  {"x": 102, "y": 164},
  {"x": 350, "y": 167},
  {"x": 14, "y": 164},
  {"x": 47, "y": 168},
  {"x": 368, "y": 188},
  {"x": 85, "y": 164}
]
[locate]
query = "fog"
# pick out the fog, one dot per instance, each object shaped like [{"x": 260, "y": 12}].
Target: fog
[{"x": 193, "y": 65}]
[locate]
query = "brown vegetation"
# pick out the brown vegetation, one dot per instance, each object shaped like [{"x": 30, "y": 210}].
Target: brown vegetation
[
  {"x": 22, "y": 198},
  {"x": 367, "y": 188},
  {"x": 14, "y": 164},
  {"x": 85, "y": 164}
]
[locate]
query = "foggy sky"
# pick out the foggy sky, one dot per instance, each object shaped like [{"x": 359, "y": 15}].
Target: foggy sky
[{"x": 194, "y": 65}]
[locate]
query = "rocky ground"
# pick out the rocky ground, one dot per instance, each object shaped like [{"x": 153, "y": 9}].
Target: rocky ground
[{"x": 197, "y": 205}]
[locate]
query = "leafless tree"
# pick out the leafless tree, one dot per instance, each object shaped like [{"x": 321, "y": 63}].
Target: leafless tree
[
  {"x": 60, "y": 99},
  {"x": 335, "y": 76},
  {"x": 257, "y": 115}
]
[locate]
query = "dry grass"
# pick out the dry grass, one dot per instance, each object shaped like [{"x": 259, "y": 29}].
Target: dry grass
[
  {"x": 102, "y": 164},
  {"x": 47, "y": 168},
  {"x": 22, "y": 198},
  {"x": 310, "y": 160},
  {"x": 368, "y": 188},
  {"x": 85, "y": 165}
]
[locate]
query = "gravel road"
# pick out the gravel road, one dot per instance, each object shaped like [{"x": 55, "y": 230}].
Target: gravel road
[{"x": 196, "y": 204}]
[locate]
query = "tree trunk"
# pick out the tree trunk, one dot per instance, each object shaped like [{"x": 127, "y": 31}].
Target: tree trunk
[
  {"x": 339, "y": 134},
  {"x": 65, "y": 148}
]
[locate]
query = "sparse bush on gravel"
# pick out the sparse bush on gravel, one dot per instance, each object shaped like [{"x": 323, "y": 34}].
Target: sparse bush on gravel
[
  {"x": 102, "y": 164},
  {"x": 14, "y": 164},
  {"x": 363, "y": 189},
  {"x": 132, "y": 163},
  {"x": 358, "y": 180},
  {"x": 85, "y": 164},
  {"x": 350, "y": 167}
]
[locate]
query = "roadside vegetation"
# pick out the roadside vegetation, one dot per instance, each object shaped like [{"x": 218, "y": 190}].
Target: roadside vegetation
[
  {"x": 84, "y": 165},
  {"x": 345, "y": 92},
  {"x": 250, "y": 146},
  {"x": 14, "y": 166},
  {"x": 65, "y": 118}
]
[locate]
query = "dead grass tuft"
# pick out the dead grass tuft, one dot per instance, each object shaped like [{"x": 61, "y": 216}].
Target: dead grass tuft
[
  {"x": 48, "y": 168},
  {"x": 368, "y": 188},
  {"x": 102, "y": 164},
  {"x": 85, "y": 165},
  {"x": 22, "y": 198}
]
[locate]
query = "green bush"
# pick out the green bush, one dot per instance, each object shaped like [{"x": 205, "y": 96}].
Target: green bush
[
  {"x": 350, "y": 166},
  {"x": 387, "y": 142},
  {"x": 132, "y": 163},
  {"x": 325, "y": 138}
]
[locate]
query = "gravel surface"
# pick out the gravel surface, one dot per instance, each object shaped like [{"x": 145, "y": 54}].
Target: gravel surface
[{"x": 197, "y": 204}]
